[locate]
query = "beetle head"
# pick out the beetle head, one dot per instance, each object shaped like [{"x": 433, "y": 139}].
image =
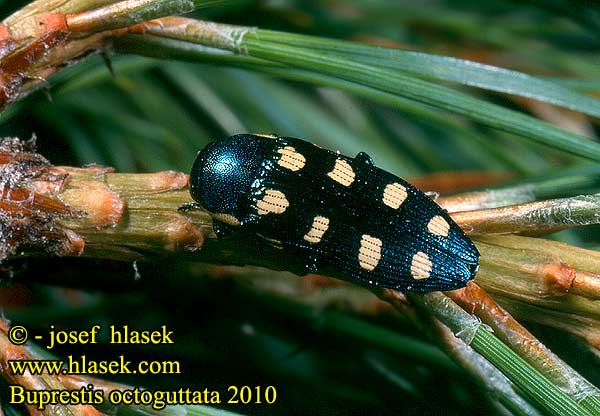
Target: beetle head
[{"x": 224, "y": 171}]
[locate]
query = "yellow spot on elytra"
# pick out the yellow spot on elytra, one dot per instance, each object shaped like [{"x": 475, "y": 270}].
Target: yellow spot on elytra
[
  {"x": 268, "y": 136},
  {"x": 420, "y": 267},
  {"x": 342, "y": 173},
  {"x": 438, "y": 226},
  {"x": 394, "y": 195},
  {"x": 291, "y": 159},
  {"x": 273, "y": 202},
  {"x": 226, "y": 218},
  {"x": 369, "y": 253},
  {"x": 318, "y": 228}
]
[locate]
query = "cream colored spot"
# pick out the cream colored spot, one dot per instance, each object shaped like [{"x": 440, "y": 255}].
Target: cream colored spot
[
  {"x": 438, "y": 226},
  {"x": 394, "y": 195},
  {"x": 226, "y": 218},
  {"x": 274, "y": 202},
  {"x": 342, "y": 173},
  {"x": 318, "y": 228},
  {"x": 268, "y": 136},
  {"x": 291, "y": 159},
  {"x": 420, "y": 267},
  {"x": 369, "y": 253}
]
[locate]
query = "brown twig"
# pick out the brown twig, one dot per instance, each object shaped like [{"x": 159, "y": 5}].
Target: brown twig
[
  {"x": 477, "y": 302},
  {"x": 74, "y": 211},
  {"x": 45, "y": 37},
  {"x": 533, "y": 218}
]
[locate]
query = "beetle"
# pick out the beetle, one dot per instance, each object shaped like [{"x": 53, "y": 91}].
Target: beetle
[{"x": 339, "y": 216}]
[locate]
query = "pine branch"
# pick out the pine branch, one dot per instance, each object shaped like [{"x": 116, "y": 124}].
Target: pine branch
[{"x": 96, "y": 212}]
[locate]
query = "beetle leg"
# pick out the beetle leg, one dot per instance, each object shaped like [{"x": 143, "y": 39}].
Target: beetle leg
[
  {"x": 432, "y": 194},
  {"x": 190, "y": 206},
  {"x": 362, "y": 157}
]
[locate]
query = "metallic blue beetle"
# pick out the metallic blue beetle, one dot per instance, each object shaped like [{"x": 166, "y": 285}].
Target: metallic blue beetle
[{"x": 339, "y": 216}]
